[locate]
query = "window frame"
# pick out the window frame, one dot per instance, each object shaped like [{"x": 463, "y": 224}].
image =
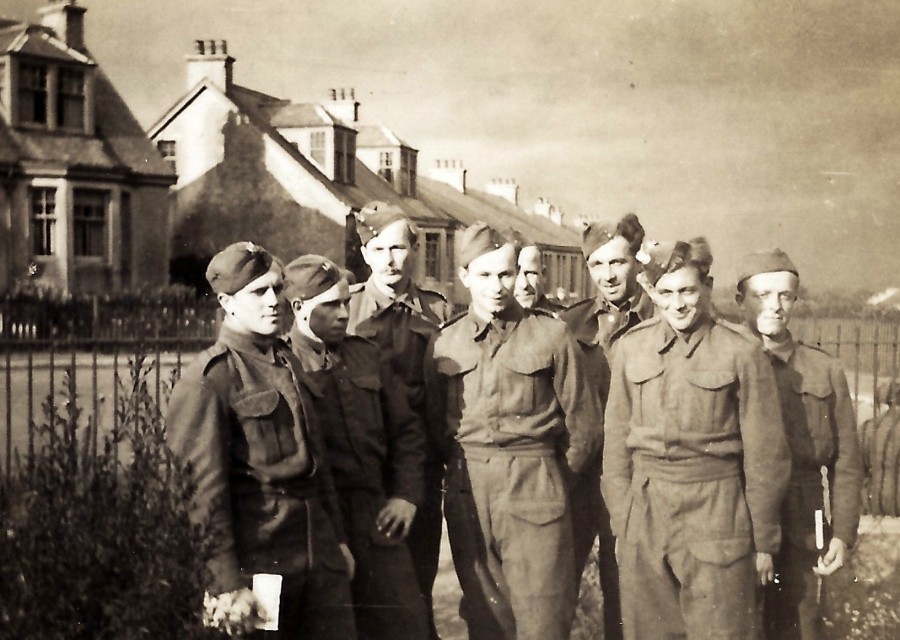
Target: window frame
[
  {"x": 432, "y": 255},
  {"x": 47, "y": 220},
  {"x": 83, "y": 240},
  {"x": 25, "y": 72},
  {"x": 63, "y": 95}
]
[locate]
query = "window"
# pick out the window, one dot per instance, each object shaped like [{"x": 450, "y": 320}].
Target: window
[
  {"x": 433, "y": 255},
  {"x": 70, "y": 99},
  {"x": 43, "y": 221},
  {"x": 411, "y": 175},
  {"x": 385, "y": 166},
  {"x": 33, "y": 93},
  {"x": 317, "y": 147},
  {"x": 167, "y": 149},
  {"x": 2, "y": 80},
  {"x": 451, "y": 253},
  {"x": 89, "y": 219}
]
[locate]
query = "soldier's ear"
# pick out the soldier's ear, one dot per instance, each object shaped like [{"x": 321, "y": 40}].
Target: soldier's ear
[
  {"x": 296, "y": 305},
  {"x": 224, "y": 301}
]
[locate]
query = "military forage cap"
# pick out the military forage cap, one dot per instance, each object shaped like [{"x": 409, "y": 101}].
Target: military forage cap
[
  {"x": 765, "y": 262},
  {"x": 374, "y": 217},
  {"x": 656, "y": 256},
  {"x": 478, "y": 239},
  {"x": 236, "y": 266},
  {"x": 310, "y": 275},
  {"x": 597, "y": 234}
]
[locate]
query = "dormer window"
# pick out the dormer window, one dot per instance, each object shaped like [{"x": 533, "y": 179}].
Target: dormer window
[
  {"x": 70, "y": 99},
  {"x": 33, "y": 94},
  {"x": 386, "y": 166},
  {"x": 167, "y": 149}
]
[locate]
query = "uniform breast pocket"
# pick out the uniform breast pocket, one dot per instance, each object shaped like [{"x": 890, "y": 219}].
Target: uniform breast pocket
[
  {"x": 527, "y": 382},
  {"x": 644, "y": 379},
  {"x": 366, "y": 400},
  {"x": 267, "y": 424},
  {"x": 810, "y": 433},
  {"x": 710, "y": 399},
  {"x": 454, "y": 372}
]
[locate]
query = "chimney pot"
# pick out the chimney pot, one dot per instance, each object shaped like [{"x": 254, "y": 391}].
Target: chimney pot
[
  {"x": 198, "y": 45},
  {"x": 224, "y": 45}
]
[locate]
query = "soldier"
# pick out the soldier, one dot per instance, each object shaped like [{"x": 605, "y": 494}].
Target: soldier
[
  {"x": 695, "y": 461},
  {"x": 241, "y": 416},
  {"x": 400, "y": 317},
  {"x": 821, "y": 429},
  {"x": 530, "y": 277},
  {"x": 376, "y": 448},
  {"x": 620, "y": 304},
  {"x": 507, "y": 395}
]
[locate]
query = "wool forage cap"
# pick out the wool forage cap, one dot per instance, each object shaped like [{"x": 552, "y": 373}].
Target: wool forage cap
[
  {"x": 236, "y": 266},
  {"x": 374, "y": 217},
  {"x": 765, "y": 262},
  {"x": 596, "y": 234},
  {"x": 478, "y": 239},
  {"x": 310, "y": 275},
  {"x": 656, "y": 256}
]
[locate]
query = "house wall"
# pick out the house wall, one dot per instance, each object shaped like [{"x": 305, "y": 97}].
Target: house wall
[
  {"x": 150, "y": 227},
  {"x": 5, "y": 236}
]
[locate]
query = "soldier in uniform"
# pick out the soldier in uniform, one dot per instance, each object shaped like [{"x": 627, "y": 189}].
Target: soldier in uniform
[
  {"x": 821, "y": 429},
  {"x": 620, "y": 304},
  {"x": 695, "y": 461},
  {"x": 376, "y": 447},
  {"x": 400, "y": 317},
  {"x": 242, "y": 417},
  {"x": 514, "y": 418},
  {"x": 530, "y": 277}
]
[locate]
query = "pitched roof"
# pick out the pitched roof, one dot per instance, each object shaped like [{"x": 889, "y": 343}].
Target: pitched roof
[
  {"x": 36, "y": 40},
  {"x": 299, "y": 115},
  {"x": 378, "y": 135},
  {"x": 476, "y": 205}
]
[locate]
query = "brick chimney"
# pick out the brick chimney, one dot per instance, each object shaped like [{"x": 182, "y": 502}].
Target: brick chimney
[
  {"x": 450, "y": 172},
  {"x": 505, "y": 188},
  {"x": 67, "y": 20},
  {"x": 210, "y": 60},
  {"x": 546, "y": 209},
  {"x": 343, "y": 105}
]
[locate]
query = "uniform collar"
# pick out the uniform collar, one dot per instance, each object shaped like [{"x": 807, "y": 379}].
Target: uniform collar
[
  {"x": 253, "y": 345},
  {"x": 691, "y": 341},
  {"x": 310, "y": 352},
  {"x": 409, "y": 298},
  {"x": 783, "y": 350},
  {"x": 508, "y": 317},
  {"x": 639, "y": 304}
]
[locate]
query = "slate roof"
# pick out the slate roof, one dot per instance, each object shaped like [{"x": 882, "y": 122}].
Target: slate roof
[
  {"x": 299, "y": 115},
  {"x": 477, "y": 205},
  {"x": 36, "y": 40}
]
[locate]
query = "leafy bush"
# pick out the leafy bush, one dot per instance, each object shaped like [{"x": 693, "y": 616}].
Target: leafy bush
[{"x": 96, "y": 541}]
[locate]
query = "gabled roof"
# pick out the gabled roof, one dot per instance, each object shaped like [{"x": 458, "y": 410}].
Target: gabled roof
[
  {"x": 36, "y": 40},
  {"x": 378, "y": 135},
  {"x": 476, "y": 205},
  {"x": 120, "y": 143}
]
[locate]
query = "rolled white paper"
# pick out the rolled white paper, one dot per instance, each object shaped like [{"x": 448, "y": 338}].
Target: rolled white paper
[
  {"x": 820, "y": 530},
  {"x": 267, "y": 589}
]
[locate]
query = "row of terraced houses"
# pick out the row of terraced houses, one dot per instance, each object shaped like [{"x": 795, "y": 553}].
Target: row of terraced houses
[{"x": 90, "y": 202}]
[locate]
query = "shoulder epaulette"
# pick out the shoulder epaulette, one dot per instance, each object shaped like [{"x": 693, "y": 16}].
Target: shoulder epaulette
[
  {"x": 543, "y": 312},
  {"x": 579, "y": 304},
  {"x": 454, "y": 319},
  {"x": 353, "y": 338},
  {"x": 740, "y": 329},
  {"x": 208, "y": 356},
  {"x": 433, "y": 292}
]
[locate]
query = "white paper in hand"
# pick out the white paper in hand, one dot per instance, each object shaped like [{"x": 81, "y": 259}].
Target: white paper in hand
[{"x": 267, "y": 589}]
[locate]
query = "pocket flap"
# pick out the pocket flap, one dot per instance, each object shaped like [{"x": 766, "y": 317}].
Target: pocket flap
[
  {"x": 711, "y": 379},
  {"x": 370, "y": 383},
  {"x": 722, "y": 552},
  {"x": 536, "y": 511},
  {"x": 453, "y": 367},
  {"x": 528, "y": 363},
  {"x": 640, "y": 372},
  {"x": 818, "y": 386},
  {"x": 261, "y": 403}
]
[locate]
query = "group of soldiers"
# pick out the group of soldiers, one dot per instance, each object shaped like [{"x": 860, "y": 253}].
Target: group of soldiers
[{"x": 699, "y": 455}]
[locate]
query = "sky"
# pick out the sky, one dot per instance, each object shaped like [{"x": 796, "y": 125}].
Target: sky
[{"x": 756, "y": 124}]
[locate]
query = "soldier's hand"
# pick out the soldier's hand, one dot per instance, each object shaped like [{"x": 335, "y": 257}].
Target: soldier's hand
[
  {"x": 348, "y": 558},
  {"x": 395, "y": 518},
  {"x": 765, "y": 568},
  {"x": 833, "y": 560}
]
